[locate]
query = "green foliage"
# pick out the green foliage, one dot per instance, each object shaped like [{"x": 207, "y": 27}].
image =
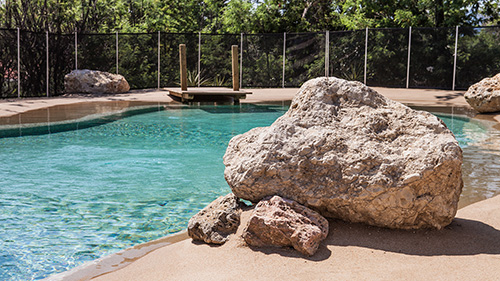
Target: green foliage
[
  {"x": 219, "y": 81},
  {"x": 195, "y": 79},
  {"x": 235, "y": 16}
]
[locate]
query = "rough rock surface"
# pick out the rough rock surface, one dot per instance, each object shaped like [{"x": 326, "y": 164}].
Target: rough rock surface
[
  {"x": 484, "y": 96},
  {"x": 350, "y": 153},
  {"x": 94, "y": 82},
  {"x": 281, "y": 222},
  {"x": 217, "y": 221}
]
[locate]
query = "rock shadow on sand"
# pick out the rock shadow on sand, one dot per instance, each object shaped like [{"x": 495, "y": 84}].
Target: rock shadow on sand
[
  {"x": 462, "y": 237},
  {"x": 322, "y": 254}
]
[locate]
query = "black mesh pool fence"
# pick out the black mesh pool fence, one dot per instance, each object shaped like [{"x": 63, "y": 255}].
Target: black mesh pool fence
[
  {"x": 384, "y": 57},
  {"x": 347, "y": 54},
  {"x": 169, "y": 58},
  {"x": 262, "y": 60},
  {"x": 8, "y": 63},
  {"x": 216, "y": 59},
  {"x": 387, "y": 57},
  {"x": 431, "y": 59},
  {"x": 304, "y": 58},
  {"x": 478, "y": 55}
]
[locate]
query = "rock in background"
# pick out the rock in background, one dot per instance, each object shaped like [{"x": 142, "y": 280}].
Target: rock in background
[
  {"x": 281, "y": 222},
  {"x": 94, "y": 82},
  {"x": 217, "y": 221},
  {"x": 484, "y": 96},
  {"x": 350, "y": 153}
]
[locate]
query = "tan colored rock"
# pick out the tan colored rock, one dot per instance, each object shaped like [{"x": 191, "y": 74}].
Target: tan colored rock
[
  {"x": 94, "y": 82},
  {"x": 217, "y": 221},
  {"x": 484, "y": 96},
  {"x": 350, "y": 153},
  {"x": 281, "y": 222}
]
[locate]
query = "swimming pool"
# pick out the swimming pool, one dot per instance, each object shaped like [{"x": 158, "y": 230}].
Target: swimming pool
[{"x": 71, "y": 197}]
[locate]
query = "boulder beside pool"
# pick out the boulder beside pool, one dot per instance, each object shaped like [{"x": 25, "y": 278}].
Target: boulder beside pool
[
  {"x": 484, "y": 96},
  {"x": 348, "y": 152},
  {"x": 217, "y": 221},
  {"x": 94, "y": 82}
]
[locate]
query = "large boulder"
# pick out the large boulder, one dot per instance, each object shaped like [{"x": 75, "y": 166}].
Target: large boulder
[
  {"x": 281, "y": 222},
  {"x": 350, "y": 153},
  {"x": 484, "y": 96},
  {"x": 94, "y": 82},
  {"x": 217, "y": 221}
]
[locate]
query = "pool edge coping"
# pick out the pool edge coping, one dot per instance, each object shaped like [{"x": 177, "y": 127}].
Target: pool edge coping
[{"x": 118, "y": 260}]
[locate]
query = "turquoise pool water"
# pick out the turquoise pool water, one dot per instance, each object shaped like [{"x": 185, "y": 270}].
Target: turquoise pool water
[{"x": 70, "y": 197}]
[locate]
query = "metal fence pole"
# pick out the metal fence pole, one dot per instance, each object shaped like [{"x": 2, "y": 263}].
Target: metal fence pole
[
  {"x": 18, "y": 63},
  {"x": 408, "y": 63},
  {"x": 241, "y": 60},
  {"x": 199, "y": 59},
  {"x": 76, "y": 50},
  {"x": 366, "y": 52},
  {"x": 159, "y": 59},
  {"x": 117, "y": 52},
  {"x": 284, "y": 57},
  {"x": 327, "y": 54},
  {"x": 47, "y": 62},
  {"x": 455, "y": 59}
]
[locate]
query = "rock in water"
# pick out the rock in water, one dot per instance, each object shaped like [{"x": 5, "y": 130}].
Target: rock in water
[
  {"x": 217, "y": 221},
  {"x": 350, "y": 153},
  {"x": 281, "y": 222},
  {"x": 484, "y": 96},
  {"x": 94, "y": 82}
]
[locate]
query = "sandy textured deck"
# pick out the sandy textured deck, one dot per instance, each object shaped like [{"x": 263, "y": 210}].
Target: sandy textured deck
[
  {"x": 408, "y": 96},
  {"x": 469, "y": 249}
]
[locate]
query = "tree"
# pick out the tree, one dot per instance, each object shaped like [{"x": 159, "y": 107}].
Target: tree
[{"x": 237, "y": 17}]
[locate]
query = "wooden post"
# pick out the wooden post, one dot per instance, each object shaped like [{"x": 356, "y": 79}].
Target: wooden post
[
  {"x": 236, "y": 72},
  {"x": 182, "y": 59}
]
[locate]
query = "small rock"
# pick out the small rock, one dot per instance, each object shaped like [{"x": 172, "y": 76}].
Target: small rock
[
  {"x": 281, "y": 222},
  {"x": 217, "y": 221},
  {"x": 94, "y": 82},
  {"x": 484, "y": 96}
]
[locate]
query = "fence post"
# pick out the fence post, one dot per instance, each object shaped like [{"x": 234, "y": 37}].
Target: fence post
[
  {"x": 18, "y": 63},
  {"x": 47, "y": 60},
  {"x": 366, "y": 52},
  {"x": 76, "y": 49},
  {"x": 455, "y": 59},
  {"x": 327, "y": 54},
  {"x": 159, "y": 59},
  {"x": 117, "y": 52},
  {"x": 199, "y": 59},
  {"x": 408, "y": 63},
  {"x": 241, "y": 60},
  {"x": 183, "y": 66},
  {"x": 284, "y": 54},
  {"x": 234, "y": 66}
]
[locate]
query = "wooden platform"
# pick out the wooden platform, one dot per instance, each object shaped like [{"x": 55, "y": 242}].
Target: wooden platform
[{"x": 191, "y": 93}]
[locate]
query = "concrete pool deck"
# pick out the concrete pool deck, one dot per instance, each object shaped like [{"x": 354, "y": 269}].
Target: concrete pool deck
[
  {"x": 467, "y": 249},
  {"x": 421, "y": 97}
]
